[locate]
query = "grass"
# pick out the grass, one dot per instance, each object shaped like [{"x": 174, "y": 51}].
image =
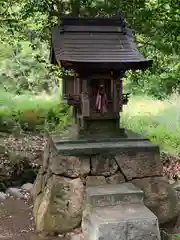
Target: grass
[
  {"x": 9, "y": 103},
  {"x": 158, "y": 120}
]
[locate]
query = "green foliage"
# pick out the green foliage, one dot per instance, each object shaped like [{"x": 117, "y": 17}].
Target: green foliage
[
  {"x": 155, "y": 22},
  {"x": 159, "y": 81},
  {"x": 21, "y": 71},
  {"x": 156, "y": 119},
  {"x": 32, "y": 111}
]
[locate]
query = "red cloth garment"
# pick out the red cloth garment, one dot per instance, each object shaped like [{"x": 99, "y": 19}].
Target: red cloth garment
[
  {"x": 98, "y": 102},
  {"x": 101, "y": 100}
]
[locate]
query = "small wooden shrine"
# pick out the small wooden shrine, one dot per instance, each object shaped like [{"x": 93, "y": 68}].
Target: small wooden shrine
[{"x": 94, "y": 54}]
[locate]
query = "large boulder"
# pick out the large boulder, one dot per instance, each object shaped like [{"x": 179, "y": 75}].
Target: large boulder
[
  {"x": 58, "y": 208},
  {"x": 159, "y": 197}
]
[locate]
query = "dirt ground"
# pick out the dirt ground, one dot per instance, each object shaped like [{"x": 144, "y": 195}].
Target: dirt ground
[{"x": 16, "y": 222}]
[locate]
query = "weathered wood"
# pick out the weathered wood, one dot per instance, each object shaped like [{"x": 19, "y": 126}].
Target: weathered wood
[
  {"x": 97, "y": 40},
  {"x": 99, "y": 51}
]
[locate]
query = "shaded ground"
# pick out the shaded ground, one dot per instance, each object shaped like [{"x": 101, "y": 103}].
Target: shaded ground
[{"x": 16, "y": 222}]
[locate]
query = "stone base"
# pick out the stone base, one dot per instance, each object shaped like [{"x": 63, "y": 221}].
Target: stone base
[
  {"x": 88, "y": 146},
  {"x": 70, "y": 166},
  {"x": 126, "y": 218},
  {"x": 113, "y": 195},
  {"x": 124, "y": 222}
]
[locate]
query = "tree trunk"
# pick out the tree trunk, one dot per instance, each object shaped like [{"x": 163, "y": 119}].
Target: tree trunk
[{"x": 75, "y": 7}]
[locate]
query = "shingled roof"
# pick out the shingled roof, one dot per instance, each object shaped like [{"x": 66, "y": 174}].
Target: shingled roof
[{"x": 96, "y": 40}]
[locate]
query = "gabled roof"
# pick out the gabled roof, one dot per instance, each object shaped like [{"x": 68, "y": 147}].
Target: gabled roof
[{"x": 97, "y": 40}]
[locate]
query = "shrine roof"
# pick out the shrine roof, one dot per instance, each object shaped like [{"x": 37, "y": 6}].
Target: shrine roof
[{"x": 96, "y": 40}]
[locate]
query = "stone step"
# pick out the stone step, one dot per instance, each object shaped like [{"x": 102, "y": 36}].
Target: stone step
[
  {"x": 123, "y": 222},
  {"x": 113, "y": 194}
]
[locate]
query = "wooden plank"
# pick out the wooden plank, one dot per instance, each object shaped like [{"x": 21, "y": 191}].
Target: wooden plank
[
  {"x": 102, "y": 57},
  {"x": 94, "y": 42},
  {"x": 93, "y": 35},
  {"x": 93, "y": 28},
  {"x": 106, "y": 59},
  {"x": 92, "y": 21},
  {"x": 90, "y": 38},
  {"x": 98, "y": 48},
  {"x": 100, "y": 45},
  {"x": 96, "y": 57},
  {"x": 81, "y": 51},
  {"x": 100, "y": 54},
  {"x": 95, "y": 49},
  {"x": 119, "y": 55}
]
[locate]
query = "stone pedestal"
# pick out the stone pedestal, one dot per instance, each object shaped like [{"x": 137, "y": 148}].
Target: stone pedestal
[{"x": 71, "y": 165}]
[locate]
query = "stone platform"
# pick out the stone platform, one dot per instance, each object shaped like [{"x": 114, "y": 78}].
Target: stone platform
[
  {"x": 102, "y": 145},
  {"x": 70, "y": 166}
]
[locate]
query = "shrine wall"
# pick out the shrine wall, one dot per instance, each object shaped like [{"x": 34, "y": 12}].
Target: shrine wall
[{"x": 60, "y": 188}]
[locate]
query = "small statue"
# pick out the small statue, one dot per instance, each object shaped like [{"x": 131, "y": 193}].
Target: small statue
[{"x": 101, "y": 100}]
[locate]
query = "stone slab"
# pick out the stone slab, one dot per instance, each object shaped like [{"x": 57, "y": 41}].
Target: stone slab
[
  {"x": 114, "y": 194},
  {"x": 124, "y": 222},
  {"x": 128, "y": 136},
  {"x": 139, "y": 164},
  {"x": 105, "y": 148}
]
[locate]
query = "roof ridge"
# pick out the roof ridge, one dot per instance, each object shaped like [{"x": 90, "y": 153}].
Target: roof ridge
[{"x": 90, "y": 21}]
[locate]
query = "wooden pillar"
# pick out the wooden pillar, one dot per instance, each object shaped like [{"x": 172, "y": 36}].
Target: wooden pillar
[
  {"x": 112, "y": 90},
  {"x": 77, "y": 84},
  {"x": 117, "y": 95},
  {"x": 85, "y": 99},
  {"x": 121, "y": 95}
]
